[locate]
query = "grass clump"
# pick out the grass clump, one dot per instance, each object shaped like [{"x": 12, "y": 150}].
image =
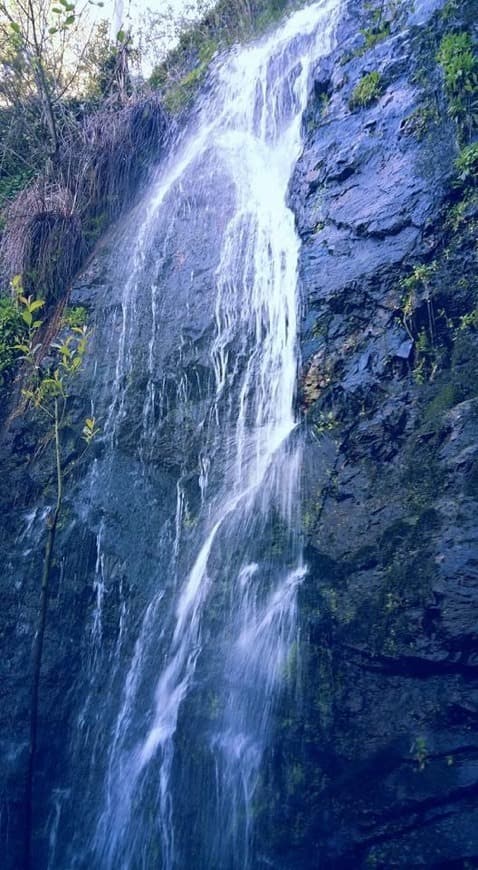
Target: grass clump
[
  {"x": 53, "y": 224},
  {"x": 367, "y": 91}
]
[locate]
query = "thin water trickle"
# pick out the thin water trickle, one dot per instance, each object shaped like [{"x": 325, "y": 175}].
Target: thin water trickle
[{"x": 215, "y": 430}]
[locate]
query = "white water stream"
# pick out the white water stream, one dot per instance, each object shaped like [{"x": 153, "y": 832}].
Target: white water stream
[{"x": 249, "y": 125}]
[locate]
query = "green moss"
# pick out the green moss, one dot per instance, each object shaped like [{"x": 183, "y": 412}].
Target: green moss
[
  {"x": 445, "y": 399},
  {"x": 367, "y": 91},
  {"x": 464, "y": 364},
  {"x": 450, "y": 9},
  {"x": 423, "y": 476}
]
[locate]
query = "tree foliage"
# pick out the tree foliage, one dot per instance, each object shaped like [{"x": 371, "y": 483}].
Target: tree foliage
[{"x": 56, "y": 65}]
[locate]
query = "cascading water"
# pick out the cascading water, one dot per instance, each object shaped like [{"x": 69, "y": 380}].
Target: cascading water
[{"x": 199, "y": 475}]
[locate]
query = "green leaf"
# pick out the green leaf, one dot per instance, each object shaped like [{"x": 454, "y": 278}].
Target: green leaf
[
  {"x": 52, "y": 30},
  {"x": 121, "y": 36},
  {"x": 16, "y": 29},
  {"x": 27, "y": 317},
  {"x": 37, "y": 303},
  {"x": 70, "y": 20}
]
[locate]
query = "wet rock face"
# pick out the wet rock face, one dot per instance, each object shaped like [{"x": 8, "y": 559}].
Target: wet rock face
[{"x": 378, "y": 758}]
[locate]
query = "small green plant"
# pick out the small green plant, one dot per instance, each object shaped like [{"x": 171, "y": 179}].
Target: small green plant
[
  {"x": 327, "y": 422},
  {"x": 324, "y": 103},
  {"x": 18, "y": 324},
  {"x": 428, "y": 356},
  {"x": 416, "y": 301},
  {"x": 419, "y": 278},
  {"x": 367, "y": 91},
  {"x": 457, "y": 215},
  {"x": 445, "y": 398},
  {"x": 470, "y": 320},
  {"x": 466, "y": 166},
  {"x": 420, "y": 754},
  {"x": 450, "y": 9},
  {"x": 75, "y": 317},
  {"x": 12, "y": 330},
  {"x": 393, "y": 602},
  {"x": 457, "y": 59},
  {"x": 417, "y": 281},
  {"x": 372, "y": 36},
  {"x": 421, "y": 122}
]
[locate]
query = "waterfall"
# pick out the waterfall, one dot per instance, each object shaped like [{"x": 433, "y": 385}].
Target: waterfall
[{"x": 194, "y": 501}]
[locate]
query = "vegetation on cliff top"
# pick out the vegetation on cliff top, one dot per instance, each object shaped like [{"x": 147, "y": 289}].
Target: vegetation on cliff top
[
  {"x": 178, "y": 76},
  {"x": 81, "y": 126}
]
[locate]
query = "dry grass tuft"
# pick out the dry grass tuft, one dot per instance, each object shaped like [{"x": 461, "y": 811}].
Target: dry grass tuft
[{"x": 54, "y": 223}]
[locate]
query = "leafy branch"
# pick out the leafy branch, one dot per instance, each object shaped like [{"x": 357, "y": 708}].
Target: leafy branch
[{"x": 48, "y": 381}]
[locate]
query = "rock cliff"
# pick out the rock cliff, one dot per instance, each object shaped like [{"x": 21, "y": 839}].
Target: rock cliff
[
  {"x": 382, "y": 740},
  {"x": 374, "y": 761}
]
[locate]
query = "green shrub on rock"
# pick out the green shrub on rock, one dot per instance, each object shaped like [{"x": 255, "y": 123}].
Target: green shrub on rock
[
  {"x": 459, "y": 62},
  {"x": 367, "y": 91}
]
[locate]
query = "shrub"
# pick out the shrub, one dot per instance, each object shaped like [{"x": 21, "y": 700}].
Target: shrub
[
  {"x": 458, "y": 60},
  {"x": 367, "y": 91}
]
